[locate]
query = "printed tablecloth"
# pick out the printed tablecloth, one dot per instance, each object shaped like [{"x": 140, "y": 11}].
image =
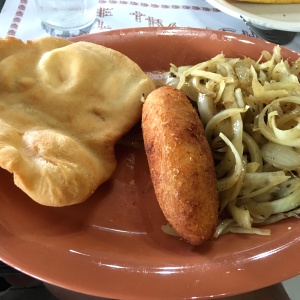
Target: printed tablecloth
[{"x": 19, "y": 17}]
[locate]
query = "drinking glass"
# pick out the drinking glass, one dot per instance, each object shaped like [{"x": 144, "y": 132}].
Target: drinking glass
[{"x": 67, "y": 17}]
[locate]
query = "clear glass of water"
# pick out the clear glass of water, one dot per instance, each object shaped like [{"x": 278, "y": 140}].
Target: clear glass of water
[{"x": 67, "y": 17}]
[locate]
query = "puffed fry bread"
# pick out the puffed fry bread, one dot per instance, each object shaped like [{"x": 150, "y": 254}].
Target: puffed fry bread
[
  {"x": 181, "y": 164},
  {"x": 63, "y": 107}
]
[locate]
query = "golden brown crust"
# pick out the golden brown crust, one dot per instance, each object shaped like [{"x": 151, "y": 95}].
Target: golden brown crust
[
  {"x": 63, "y": 106},
  {"x": 181, "y": 164}
]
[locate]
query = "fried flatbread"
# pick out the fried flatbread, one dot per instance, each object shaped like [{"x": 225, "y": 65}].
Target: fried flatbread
[{"x": 63, "y": 106}]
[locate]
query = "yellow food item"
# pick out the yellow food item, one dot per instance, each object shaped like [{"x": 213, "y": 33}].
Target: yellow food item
[
  {"x": 270, "y": 1},
  {"x": 63, "y": 106},
  {"x": 181, "y": 164}
]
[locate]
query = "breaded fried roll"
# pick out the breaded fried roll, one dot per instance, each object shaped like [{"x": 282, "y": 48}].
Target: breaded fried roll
[{"x": 181, "y": 164}]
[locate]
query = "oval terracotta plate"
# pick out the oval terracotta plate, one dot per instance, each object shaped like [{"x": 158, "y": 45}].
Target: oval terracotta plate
[{"x": 112, "y": 245}]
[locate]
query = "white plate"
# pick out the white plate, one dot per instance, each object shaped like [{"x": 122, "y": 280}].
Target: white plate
[{"x": 275, "y": 16}]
